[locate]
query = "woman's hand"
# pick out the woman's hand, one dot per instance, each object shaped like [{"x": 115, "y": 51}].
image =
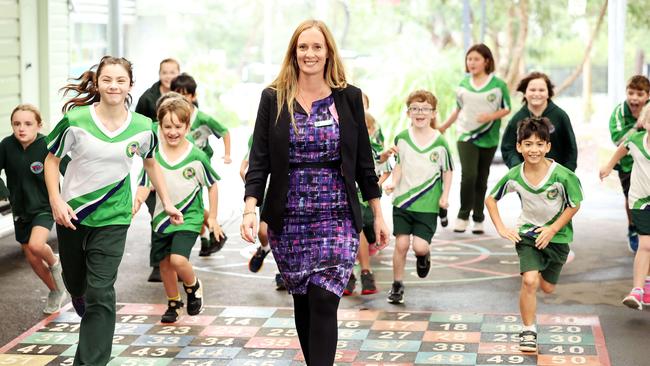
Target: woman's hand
[
  {"x": 248, "y": 228},
  {"x": 63, "y": 213},
  {"x": 381, "y": 233}
]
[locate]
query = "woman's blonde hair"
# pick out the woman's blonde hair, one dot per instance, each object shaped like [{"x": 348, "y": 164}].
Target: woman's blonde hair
[
  {"x": 371, "y": 122},
  {"x": 286, "y": 83}
]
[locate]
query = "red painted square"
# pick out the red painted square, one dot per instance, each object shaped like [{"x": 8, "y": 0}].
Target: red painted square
[
  {"x": 229, "y": 331},
  {"x": 143, "y": 309},
  {"x": 559, "y": 319},
  {"x": 273, "y": 343},
  {"x": 560, "y": 360}
]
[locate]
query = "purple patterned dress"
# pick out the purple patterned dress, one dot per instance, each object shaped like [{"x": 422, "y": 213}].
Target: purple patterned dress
[{"x": 318, "y": 243}]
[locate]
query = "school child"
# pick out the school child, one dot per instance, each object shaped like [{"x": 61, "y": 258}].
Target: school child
[
  {"x": 482, "y": 100},
  {"x": 21, "y": 156},
  {"x": 367, "y": 239},
  {"x": 420, "y": 186},
  {"x": 636, "y": 145},
  {"x": 550, "y": 195},
  {"x": 94, "y": 208},
  {"x": 202, "y": 126},
  {"x": 622, "y": 124},
  {"x": 257, "y": 260},
  {"x": 186, "y": 170}
]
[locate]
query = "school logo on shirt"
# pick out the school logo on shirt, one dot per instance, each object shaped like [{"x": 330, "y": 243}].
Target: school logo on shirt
[
  {"x": 132, "y": 148},
  {"x": 36, "y": 167},
  {"x": 491, "y": 97},
  {"x": 196, "y": 134},
  {"x": 189, "y": 173},
  {"x": 434, "y": 156},
  {"x": 552, "y": 194}
]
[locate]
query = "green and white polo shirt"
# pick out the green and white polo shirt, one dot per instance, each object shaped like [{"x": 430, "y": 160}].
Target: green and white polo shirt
[
  {"x": 201, "y": 127},
  {"x": 420, "y": 185},
  {"x": 473, "y": 100},
  {"x": 185, "y": 178},
  {"x": 97, "y": 183},
  {"x": 542, "y": 204},
  {"x": 639, "y": 196}
]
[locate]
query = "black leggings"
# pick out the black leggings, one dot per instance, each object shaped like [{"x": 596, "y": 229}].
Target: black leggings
[{"x": 316, "y": 323}]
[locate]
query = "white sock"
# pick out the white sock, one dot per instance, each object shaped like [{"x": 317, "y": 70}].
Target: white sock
[
  {"x": 206, "y": 234},
  {"x": 532, "y": 328},
  {"x": 266, "y": 247}
]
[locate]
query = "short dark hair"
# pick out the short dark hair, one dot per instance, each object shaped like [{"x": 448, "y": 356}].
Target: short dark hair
[
  {"x": 523, "y": 84},
  {"x": 484, "y": 51},
  {"x": 539, "y": 126},
  {"x": 639, "y": 82},
  {"x": 184, "y": 83}
]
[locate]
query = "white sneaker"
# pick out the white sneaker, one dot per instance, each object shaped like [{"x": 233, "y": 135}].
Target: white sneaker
[
  {"x": 460, "y": 225},
  {"x": 57, "y": 274},
  {"x": 54, "y": 300},
  {"x": 477, "y": 228}
]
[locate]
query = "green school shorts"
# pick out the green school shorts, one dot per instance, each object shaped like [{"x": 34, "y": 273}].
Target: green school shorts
[
  {"x": 548, "y": 261},
  {"x": 23, "y": 229},
  {"x": 179, "y": 242},
  {"x": 368, "y": 219},
  {"x": 641, "y": 219},
  {"x": 420, "y": 224}
]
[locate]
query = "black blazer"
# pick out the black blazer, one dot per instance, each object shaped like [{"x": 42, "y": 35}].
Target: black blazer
[{"x": 270, "y": 155}]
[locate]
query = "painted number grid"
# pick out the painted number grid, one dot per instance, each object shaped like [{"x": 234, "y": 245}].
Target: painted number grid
[{"x": 264, "y": 336}]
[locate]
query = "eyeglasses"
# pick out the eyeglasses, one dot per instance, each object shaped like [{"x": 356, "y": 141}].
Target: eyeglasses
[{"x": 416, "y": 110}]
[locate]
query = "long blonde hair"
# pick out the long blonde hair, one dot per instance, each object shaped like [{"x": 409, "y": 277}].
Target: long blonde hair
[{"x": 286, "y": 83}]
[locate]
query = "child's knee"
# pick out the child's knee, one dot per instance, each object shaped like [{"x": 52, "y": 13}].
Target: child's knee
[
  {"x": 177, "y": 260},
  {"x": 530, "y": 280}
]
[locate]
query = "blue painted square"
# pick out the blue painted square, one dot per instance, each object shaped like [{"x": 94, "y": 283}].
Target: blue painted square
[
  {"x": 390, "y": 345},
  {"x": 67, "y": 317}
]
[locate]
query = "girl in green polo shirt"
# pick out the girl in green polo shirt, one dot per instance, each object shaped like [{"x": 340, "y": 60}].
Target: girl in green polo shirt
[{"x": 21, "y": 156}]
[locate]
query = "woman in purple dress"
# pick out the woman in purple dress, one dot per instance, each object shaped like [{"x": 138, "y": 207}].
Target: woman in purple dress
[{"x": 310, "y": 137}]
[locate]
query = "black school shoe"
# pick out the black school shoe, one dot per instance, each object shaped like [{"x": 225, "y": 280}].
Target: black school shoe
[
  {"x": 174, "y": 309},
  {"x": 257, "y": 260},
  {"x": 528, "y": 341},
  {"x": 423, "y": 264},
  {"x": 279, "y": 283},
  {"x": 216, "y": 245},
  {"x": 194, "y": 298},
  {"x": 396, "y": 294},
  {"x": 154, "y": 276},
  {"x": 205, "y": 248},
  {"x": 352, "y": 284}
]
